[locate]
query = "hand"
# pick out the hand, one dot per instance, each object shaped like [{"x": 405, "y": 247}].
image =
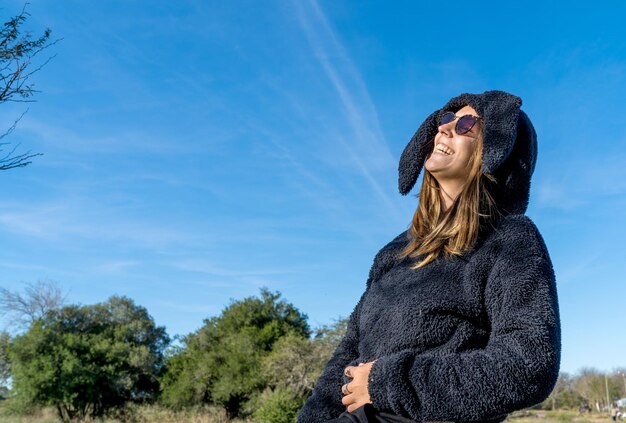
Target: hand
[{"x": 356, "y": 393}]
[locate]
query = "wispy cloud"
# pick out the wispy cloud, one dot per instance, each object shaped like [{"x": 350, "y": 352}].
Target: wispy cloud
[
  {"x": 22, "y": 266},
  {"x": 31, "y": 266},
  {"x": 205, "y": 266},
  {"x": 67, "y": 219},
  {"x": 582, "y": 179},
  {"x": 117, "y": 266},
  {"x": 116, "y": 141},
  {"x": 367, "y": 148},
  {"x": 550, "y": 193},
  {"x": 580, "y": 269},
  {"x": 186, "y": 307},
  {"x": 39, "y": 222}
]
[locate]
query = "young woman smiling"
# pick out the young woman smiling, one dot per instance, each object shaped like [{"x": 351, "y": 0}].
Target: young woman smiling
[{"x": 459, "y": 320}]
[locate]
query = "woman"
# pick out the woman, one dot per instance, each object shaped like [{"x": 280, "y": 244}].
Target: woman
[{"x": 459, "y": 320}]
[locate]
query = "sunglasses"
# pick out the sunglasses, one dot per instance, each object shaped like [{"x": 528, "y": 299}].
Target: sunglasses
[{"x": 464, "y": 124}]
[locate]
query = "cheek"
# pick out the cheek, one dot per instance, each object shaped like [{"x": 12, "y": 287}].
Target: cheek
[{"x": 464, "y": 156}]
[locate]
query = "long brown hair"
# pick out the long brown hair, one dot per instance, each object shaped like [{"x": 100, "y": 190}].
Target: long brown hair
[{"x": 436, "y": 232}]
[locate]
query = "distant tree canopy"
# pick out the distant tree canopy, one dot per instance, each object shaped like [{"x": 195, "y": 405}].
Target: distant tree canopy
[
  {"x": 256, "y": 359},
  {"x": 221, "y": 363},
  {"x": 89, "y": 361},
  {"x": 589, "y": 387},
  {"x": 18, "y": 50}
]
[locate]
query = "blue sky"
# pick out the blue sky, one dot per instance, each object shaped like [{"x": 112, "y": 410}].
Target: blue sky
[{"x": 197, "y": 151}]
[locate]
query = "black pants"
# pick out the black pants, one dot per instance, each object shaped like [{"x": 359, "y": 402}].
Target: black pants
[{"x": 368, "y": 414}]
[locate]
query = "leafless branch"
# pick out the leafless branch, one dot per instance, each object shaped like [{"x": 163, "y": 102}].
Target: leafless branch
[
  {"x": 38, "y": 299},
  {"x": 17, "y": 50}
]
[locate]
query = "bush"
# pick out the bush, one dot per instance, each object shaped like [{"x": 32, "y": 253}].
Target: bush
[
  {"x": 278, "y": 406},
  {"x": 221, "y": 363},
  {"x": 89, "y": 361}
]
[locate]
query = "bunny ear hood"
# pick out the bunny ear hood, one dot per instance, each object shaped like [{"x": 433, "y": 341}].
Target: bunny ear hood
[{"x": 509, "y": 146}]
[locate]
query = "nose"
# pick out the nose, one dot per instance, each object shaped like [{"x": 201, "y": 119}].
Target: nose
[{"x": 447, "y": 128}]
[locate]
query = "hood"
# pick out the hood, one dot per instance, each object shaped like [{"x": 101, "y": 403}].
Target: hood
[{"x": 509, "y": 147}]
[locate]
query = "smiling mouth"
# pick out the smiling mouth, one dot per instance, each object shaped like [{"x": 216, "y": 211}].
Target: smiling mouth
[{"x": 443, "y": 149}]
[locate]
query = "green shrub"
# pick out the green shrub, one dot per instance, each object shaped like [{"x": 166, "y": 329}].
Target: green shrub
[
  {"x": 89, "y": 361},
  {"x": 277, "y": 406},
  {"x": 221, "y": 363}
]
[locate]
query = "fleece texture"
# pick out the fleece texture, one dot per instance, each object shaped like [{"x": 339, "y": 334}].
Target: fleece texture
[
  {"x": 463, "y": 339},
  {"x": 510, "y": 146}
]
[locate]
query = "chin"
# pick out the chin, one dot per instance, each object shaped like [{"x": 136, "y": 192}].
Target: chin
[{"x": 431, "y": 166}]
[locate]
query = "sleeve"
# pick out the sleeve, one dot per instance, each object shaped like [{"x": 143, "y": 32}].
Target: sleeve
[
  {"x": 325, "y": 402},
  {"x": 516, "y": 369}
]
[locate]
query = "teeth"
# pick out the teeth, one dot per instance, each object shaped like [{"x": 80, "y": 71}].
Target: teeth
[{"x": 443, "y": 149}]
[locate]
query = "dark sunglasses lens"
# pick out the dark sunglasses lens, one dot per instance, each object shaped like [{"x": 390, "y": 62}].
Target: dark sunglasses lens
[
  {"x": 464, "y": 124},
  {"x": 447, "y": 118}
]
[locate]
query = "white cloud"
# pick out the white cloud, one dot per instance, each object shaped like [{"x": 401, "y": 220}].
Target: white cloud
[{"x": 367, "y": 148}]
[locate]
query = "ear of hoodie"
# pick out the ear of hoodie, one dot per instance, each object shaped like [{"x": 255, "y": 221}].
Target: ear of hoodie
[{"x": 509, "y": 146}]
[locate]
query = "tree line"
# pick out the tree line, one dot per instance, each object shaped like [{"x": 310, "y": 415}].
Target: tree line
[{"x": 258, "y": 358}]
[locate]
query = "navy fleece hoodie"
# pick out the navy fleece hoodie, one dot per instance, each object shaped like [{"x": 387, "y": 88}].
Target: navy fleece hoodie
[{"x": 467, "y": 338}]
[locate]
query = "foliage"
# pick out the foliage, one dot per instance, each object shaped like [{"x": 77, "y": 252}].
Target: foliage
[
  {"x": 291, "y": 370},
  {"x": 295, "y": 363},
  {"x": 5, "y": 366},
  {"x": 18, "y": 49},
  {"x": 331, "y": 335},
  {"x": 278, "y": 406},
  {"x": 221, "y": 363},
  {"x": 564, "y": 395},
  {"x": 587, "y": 388},
  {"x": 617, "y": 381},
  {"x": 592, "y": 385},
  {"x": 89, "y": 361}
]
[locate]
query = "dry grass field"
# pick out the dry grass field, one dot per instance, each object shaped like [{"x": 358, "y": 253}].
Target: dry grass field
[
  {"x": 154, "y": 415},
  {"x": 562, "y": 416}
]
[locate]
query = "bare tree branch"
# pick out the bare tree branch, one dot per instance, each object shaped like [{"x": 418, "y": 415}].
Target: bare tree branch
[
  {"x": 37, "y": 300},
  {"x": 17, "y": 50}
]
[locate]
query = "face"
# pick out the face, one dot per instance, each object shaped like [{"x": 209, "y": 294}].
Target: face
[{"x": 450, "y": 159}]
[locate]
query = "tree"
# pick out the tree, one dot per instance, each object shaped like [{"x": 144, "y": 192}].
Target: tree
[
  {"x": 89, "y": 361},
  {"x": 18, "y": 50},
  {"x": 328, "y": 337},
  {"x": 291, "y": 370},
  {"x": 5, "y": 366},
  {"x": 564, "y": 394},
  {"x": 221, "y": 363},
  {"x": 279, "y": 405},
  {"x": 37, "y": 300},
  {"x": 591, "y": 385},
  {"x": 618, "y": 379},
  {"x": 296, "y": 362}
]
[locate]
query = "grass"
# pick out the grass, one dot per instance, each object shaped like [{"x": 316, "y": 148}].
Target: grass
[
  {"x": 155, "y": 414},
  {"x": 557, "y": 416},
  {"x": 150, "y": 414}
]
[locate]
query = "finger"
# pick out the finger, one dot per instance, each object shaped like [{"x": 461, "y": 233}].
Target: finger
[
  {"x": 347, "y": 400},
  {"x": 345, "y": 390},
  {"x": 350, "y": 387},
  {"x": 356, "y": 372},
  {"x": 353, "y": 407},
  {"x": 348, "y": 371}
]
